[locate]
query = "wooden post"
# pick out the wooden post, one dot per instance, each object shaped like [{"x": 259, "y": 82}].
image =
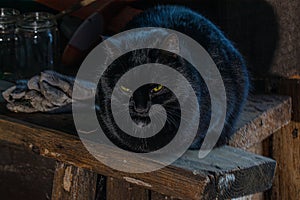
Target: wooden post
[
  {"x": 120, "y": 189},
  {"x": 286, "y": 151},
  {"x": 286, "y": 143},
  {"x": 73, "y": 183}
]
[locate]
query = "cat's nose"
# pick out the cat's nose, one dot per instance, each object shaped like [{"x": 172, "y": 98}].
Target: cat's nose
[{"x": 139, "y": 108}]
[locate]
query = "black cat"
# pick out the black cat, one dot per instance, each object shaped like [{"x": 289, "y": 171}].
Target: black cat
[{"x": 228, "y": 60}]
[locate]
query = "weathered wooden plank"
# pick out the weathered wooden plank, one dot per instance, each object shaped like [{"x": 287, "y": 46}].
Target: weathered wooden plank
[
  {"x": 69, "y": 149},
  {"x": 260, "y": 112},
  {"x": 120, "y": 189},
  {"x": 186, "y": 178},
  {"x": 72, "y": 183},
  {"x": 263, "y": 106},
  {"x": 262, "y": 116},
  {"x": 286, "y": 150},
  {"x": 232, "y": 182},
  {"x": 263, "y": 149}
]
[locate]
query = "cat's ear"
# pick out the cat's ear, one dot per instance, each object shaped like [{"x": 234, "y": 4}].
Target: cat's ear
[{"x": 171, "y": 43}]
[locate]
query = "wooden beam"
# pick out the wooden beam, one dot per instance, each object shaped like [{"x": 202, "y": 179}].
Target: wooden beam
[
  {"x": 186, "y": 178},
  {"x": 220, "y": 174},
  {"x": 229, "y": 184},
  {"x": 259, "y": 118},
  {"x": 262, "y": 116},
  {"x": 68, "y": 149},
  {"x": 71, "y": 183},
  {"x": 285, "y": 146}
]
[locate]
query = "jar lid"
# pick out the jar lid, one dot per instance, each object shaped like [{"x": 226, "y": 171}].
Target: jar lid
[
  {"x": 37, "y": 20},
  {"x": 8, "y": 15}
]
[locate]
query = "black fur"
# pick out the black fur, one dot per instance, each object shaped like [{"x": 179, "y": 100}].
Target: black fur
[{"x": 228, "y": 60}]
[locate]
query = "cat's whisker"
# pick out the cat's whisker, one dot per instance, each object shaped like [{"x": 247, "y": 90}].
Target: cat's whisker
[
  {"x": 178, "y": 115},
  {"x": 169, "y": 119},
  {"x": 159, "y": 119}
]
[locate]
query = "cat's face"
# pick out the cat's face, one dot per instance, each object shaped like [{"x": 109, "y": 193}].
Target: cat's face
[{"x": 143, "y": 98}]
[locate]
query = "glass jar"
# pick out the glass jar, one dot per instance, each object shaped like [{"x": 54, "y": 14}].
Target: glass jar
[
  {"x": 8, "y": 19},
  {"x": 37, "y": 44}
]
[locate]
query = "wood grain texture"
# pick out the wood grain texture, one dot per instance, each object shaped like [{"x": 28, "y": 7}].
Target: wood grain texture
[
  {"x": 262, "y": 116},
  {"x": 186, "y": 178},
  {"x": 229, "y": 184},
  {"x": 72, "y": 183},
  {"x": 271, "y": 107},
  {"x": 263, "y": 149},
  {"x": 120, "y": 189},
  {"x": 286, "y": 150},
  {"x": 69, "y": 149},
  {"x": 285, "y": 143}
]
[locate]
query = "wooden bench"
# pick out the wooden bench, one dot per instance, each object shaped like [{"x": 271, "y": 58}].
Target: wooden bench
[{"x": 227, "y": 172}]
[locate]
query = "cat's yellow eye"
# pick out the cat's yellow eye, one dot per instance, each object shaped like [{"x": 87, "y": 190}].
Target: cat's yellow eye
[
  {"x": 157, "y": 88},
  {"x": 125, "y": 89}
]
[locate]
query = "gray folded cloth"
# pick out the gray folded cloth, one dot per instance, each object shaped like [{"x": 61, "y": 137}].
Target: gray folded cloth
[{"x": 49, "y": 92}]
